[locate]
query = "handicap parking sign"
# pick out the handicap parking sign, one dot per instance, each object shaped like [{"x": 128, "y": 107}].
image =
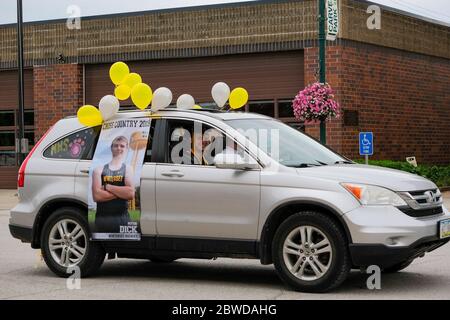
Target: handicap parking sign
[{"x": 366, "y": 143}]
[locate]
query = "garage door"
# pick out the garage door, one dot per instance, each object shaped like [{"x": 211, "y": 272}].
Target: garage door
[
  {"x": 272, "y": 79},
  {"x": 8, "y": 121}
]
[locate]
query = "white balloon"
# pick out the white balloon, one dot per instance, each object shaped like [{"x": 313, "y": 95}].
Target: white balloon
[
  {"x": 109, "y": 105},
  {"x": 162, "y": 97},
  {"x": 220, "y": 93},
  {"x": 185, "y": 101}
]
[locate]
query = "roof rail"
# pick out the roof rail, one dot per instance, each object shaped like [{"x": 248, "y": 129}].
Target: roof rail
[
  {"x": 166, "y": 109},
  {"x": 175, "y": 109}
]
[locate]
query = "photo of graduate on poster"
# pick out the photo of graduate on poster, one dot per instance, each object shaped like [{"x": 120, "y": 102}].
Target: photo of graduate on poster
[{"x": 114, "y": 180}]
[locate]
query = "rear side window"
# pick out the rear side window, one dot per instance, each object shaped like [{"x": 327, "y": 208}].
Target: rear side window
[{"x": 76, "y": 146}]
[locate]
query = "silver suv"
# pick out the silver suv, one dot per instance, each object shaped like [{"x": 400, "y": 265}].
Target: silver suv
[{"x": 283, "y": 198}]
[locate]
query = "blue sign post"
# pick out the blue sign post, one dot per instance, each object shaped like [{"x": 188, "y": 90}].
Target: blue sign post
[{"x": 366, "y": 145}]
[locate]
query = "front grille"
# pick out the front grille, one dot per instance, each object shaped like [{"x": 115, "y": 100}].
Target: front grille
[
  {"x": 427, "y": 196},
  {"x": 422, "y": 199},
  {"x": 421, "y": 213},
  {"x": 421, "y": 193},
  {"x": 422, "y": 203}
]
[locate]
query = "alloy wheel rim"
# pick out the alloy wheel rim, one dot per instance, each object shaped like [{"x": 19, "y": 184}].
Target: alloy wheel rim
[
  {"x": 307, "y": 253},
  {"x": 67, "y": 243}
]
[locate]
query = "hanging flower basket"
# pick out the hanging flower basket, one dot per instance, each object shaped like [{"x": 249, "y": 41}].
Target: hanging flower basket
[{"x": 315, "y": 103}]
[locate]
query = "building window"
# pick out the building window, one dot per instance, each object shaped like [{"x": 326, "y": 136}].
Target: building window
[
  {"x": 7, "y": 138},
  {"x": 8, "y": 129},
  {"x": 212, "y": 106},
  {"x": 7, "y": 158},
  {"x": 285, "y": 109},
  {"x": 300, "y": 126},
  {"x": 266, "y": 108},
  {"x": 286, "y": 114},
  {"x": 6, "y": 119},
  {"x": 29, "y": 118},
  {"x": 128, "y": 107}
]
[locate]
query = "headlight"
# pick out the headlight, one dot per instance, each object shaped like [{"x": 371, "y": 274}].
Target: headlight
[{"x": 373, "y": 195}]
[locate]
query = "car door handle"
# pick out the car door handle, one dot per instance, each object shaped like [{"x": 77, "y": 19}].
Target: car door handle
[
  {"x": 84, "y": 171},
  {"x": 173, "y": 174}
]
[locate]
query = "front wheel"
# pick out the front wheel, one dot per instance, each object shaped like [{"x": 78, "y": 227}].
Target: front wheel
[
  {"x": 65, "y": 244},
  {"x": 310, "y": 252}
]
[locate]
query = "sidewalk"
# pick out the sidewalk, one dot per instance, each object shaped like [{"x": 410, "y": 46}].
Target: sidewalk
[{"x": 9, "y": 200}]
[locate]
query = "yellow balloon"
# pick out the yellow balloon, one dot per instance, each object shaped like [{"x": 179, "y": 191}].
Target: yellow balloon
[
  {"x": 141, "y": 95},
  {"x": 118, "y": 72},
  {"x": 89, "y": 116},
  {"x": 196, "y": 107},
  {"x": 238, "y": 98},
  {"x": 122, "y": 92},
  {"x": 132, "y": 79}
]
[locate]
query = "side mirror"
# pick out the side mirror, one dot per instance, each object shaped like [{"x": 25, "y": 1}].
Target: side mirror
[{"x": 230, "y": 160}]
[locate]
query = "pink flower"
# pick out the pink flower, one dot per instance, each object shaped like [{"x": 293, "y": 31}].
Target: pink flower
[{"x": 315, "y": 102}]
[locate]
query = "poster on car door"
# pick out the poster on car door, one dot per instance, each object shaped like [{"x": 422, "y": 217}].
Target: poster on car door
[{"x": 114, "y": 180}]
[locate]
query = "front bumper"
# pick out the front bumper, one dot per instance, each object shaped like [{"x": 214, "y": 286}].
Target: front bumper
[
  {"x": 385, "y": 236},
  {"x": 387, "y": 225},
  {"x": 364, "y": 255}
]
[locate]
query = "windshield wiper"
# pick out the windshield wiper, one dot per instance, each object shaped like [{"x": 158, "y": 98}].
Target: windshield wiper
[
  {"x": 308, "y": 165},
  {"x": 343, "y": 162},
  {"x": 305, "y": 165}
]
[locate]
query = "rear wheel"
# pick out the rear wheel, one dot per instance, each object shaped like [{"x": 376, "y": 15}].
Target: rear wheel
[
  {"x": 65, "y": 244},
  {"x": 310, "y": 252}
]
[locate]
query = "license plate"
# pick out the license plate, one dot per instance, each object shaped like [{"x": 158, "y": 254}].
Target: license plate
[{"x": 444, "y": 227}]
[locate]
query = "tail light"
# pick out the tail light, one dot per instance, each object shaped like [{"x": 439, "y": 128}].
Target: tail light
[{"x": 21, "y": 175}]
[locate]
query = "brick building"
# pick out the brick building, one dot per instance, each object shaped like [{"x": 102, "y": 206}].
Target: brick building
[{"x": 394, "y": 81}]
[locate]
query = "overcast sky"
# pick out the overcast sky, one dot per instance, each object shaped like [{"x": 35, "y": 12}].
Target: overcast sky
[{"x": 54, "y": 9}]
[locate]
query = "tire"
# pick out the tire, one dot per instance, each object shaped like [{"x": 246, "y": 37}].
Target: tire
[
  {"x": 398, "y": 267},
  {"x": 88, "y": 261},
  {"x": 335, "y": 264},
  {"x": 162, "y": 259}
]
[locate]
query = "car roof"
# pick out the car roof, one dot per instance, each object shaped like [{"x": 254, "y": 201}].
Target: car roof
[{"x": 216, "y": 114}]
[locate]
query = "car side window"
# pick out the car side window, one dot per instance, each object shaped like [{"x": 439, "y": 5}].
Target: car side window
[
  {"x": 76, "y": 146},
  {"x": 195, "y": 143},
  {"x": 148, "y": 153}
]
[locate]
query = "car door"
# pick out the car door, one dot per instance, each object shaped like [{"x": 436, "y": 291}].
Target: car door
[
  {"x": 147, "y": 189},
  {"x": 198, "y": 200}
]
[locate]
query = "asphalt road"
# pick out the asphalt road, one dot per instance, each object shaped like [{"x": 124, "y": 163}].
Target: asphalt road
[{"x": 24, "y": 276}]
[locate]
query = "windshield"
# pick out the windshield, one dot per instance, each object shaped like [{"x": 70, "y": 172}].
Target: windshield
[{"x": 285, "y": 144}]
